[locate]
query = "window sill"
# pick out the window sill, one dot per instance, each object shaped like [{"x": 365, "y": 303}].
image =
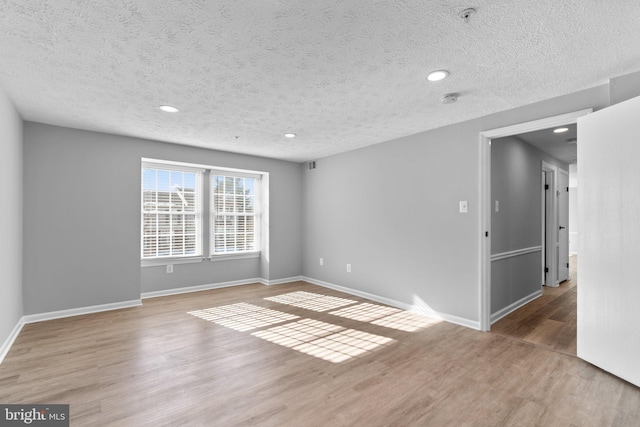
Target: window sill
[
  {"x": 166, "y": 261},
  {"x": 227, "y": 257}
]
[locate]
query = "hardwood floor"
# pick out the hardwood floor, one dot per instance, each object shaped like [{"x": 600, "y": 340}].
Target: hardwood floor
[
  {"x": 549, "y": 321},
  {"x": 231, "y": 357}
]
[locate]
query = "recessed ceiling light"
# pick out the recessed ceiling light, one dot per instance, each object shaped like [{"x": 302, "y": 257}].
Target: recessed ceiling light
[
  {"x": 168, "y": 109},
  {"x": 290, "y": 135},
  {"x": 560, "y": 130},
  {"x": 437, "y": 75}
]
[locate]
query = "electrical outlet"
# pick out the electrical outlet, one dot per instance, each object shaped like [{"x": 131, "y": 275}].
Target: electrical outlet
[
  {"x": 321, "y": 261},
  {"x": 348, "y": 268},
  {"x": 169, "y": 268}
]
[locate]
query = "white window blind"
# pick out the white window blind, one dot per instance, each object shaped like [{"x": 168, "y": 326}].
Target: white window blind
[
  {"x": 171, "y": 211},
  {"x": 235, "y": 212}
]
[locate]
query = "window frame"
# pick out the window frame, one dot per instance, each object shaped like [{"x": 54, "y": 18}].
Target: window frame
[
  {"x": 257, "y": 214},
  {"x": 198, "y": 212},
  {"x": 206, "y": 174}
]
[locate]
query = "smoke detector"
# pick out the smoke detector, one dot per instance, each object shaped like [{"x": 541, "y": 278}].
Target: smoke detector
[
  {"x": 466, "y": 14},
  {"x": 449, "y": 98}
]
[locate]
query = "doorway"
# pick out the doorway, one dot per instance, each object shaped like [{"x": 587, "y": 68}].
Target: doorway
[
  {"x": 487, "y": 204},
  {"x": 555, "y": 224}
]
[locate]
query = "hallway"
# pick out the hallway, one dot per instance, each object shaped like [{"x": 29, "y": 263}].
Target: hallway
[{"x": 549, "y": 321}]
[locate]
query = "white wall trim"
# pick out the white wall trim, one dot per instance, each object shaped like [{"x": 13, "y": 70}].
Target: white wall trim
[
  {"x": 546, "y": 123},
  {"x": 514, "y": 253},
  {"x": 6, "y": 345},
  {"x": 398, "y": 304},
  {"x": 166, "y": 261},
  {"x": 281, "y": 281},
  {"x": 33, "y": 318},
  {"x": 516, "y": 305},
  {"x": 198, "y": 288},
  {"x": 484, "y": 181}
]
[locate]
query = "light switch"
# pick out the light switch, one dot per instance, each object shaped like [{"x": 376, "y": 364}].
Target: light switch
[
  {"x": 464, "y": 206},
  {"x": 497, "y": 206}
]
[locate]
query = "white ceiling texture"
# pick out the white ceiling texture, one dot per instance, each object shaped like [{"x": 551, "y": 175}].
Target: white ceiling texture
[{"x": 341, "y": 74}]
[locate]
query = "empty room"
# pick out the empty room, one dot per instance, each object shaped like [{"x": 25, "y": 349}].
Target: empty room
[{"x": 345, "y": 213}]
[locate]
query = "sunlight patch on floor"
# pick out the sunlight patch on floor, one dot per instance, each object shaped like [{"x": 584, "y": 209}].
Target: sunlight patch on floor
[
  {"x": 323, "y": 340},
  {"x": 242, "y": 316},
  {"x": 389, "y": 317},
  {"x": 406, "y": 321},
  {"x": 311, "y": 301},
  {"x": 365, "y": 312}
]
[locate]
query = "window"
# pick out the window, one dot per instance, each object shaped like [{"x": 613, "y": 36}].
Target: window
[
  {"x": 176, "y": 199},
  {"x": 235, "y": 216},
  {"x": 171, "y": 211}
]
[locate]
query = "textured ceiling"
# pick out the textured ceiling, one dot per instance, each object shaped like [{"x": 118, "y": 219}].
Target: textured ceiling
[{"x": 341, "y": 74}]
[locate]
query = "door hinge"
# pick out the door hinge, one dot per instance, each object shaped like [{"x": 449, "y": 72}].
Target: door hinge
[
  {"x": 546, "y": 269},
  {"x": 567, "y": 265},
  {"x": 546, "y": 186},
  {"x": 486, "y": 234},
  {"x": 567, "y": 189}
]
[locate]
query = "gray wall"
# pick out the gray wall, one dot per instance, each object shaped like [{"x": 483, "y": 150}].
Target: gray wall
[
  {"x": 11, "y": 306},
  {"x": 516, "y": 169},
  {"x": 391, "y": 210},
  {"x": 82, "y": 219}
]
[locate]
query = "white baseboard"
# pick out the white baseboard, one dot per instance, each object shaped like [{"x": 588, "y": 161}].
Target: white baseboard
[
  {"x": 41, "y": 317},
  {"x": 207, "y": 287},
  {"x": 198, "y": 288},
  {"x": 6, "y": 346},
  {"x": 513, "y": 307},
  {"x": 425, "y": 311},
  {"x": 281, "y": 281}
]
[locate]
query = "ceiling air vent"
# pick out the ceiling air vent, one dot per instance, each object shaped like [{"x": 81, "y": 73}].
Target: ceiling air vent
[{"x": 449, "y": 98}]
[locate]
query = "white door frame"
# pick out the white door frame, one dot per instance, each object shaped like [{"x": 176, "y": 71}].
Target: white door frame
[
  {"x": 485, "y": 197},
  {"x": 563, "y": 242},
  {"x": 550, "y": 227}
]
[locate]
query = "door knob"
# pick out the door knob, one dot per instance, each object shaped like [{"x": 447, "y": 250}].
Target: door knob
[{"x": 561, "y": 227}]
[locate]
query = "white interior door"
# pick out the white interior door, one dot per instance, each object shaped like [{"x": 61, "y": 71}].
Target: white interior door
[
  {"x": 563, "y": 225},
  {"x": 609, "y": 246}
]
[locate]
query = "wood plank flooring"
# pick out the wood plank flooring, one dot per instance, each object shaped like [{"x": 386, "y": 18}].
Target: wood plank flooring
[
  {"x": 549, "y": 321},
  {"x": 230, "y": 357}
]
